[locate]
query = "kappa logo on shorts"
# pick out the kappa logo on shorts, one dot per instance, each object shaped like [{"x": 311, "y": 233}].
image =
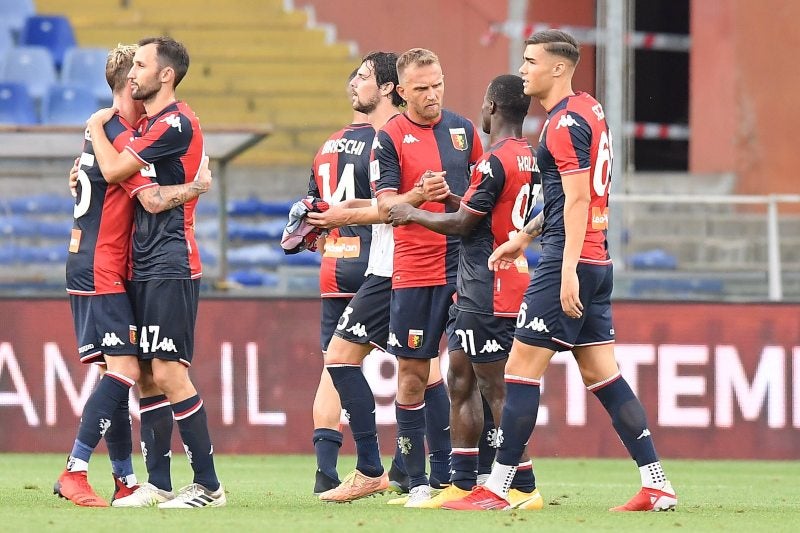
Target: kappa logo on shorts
[
  {"x": 537, "y": 324},
  {"x": 491, "y": 346},
  {"x": 393, "y": 340},
  {"x": 111, "y": 339},
  {"x": 358, "y": 329},
  {"x": 415, "y": 338}
]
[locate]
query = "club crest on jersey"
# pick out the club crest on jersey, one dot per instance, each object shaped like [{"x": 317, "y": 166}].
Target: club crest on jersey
[
  {"x": 459, "y": 138},
  {"x": 415, "y": 338}
]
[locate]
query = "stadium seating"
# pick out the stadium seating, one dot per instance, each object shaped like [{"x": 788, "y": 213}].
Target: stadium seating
[
  {"x": 15, "y": 12},
  {"x": 16, "y": 105},
  {"x": 54, "y": 32},
  {"x": 6, "y": 43},
  {"x": 87, "y": 67},
  {"x": 32, "y": 66},
  {"x": 68, "y": 105}
]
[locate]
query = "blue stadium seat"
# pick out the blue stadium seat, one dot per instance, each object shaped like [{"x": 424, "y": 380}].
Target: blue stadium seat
[
  {"x": 653, "y": 260},
  {"x": 54, "y": 32},
  {"x": 16, "y": 105},
  {"x": 15, "y": 12},
  {"x": 54, "y": 229},
  {"x": 68, "y": 105},
  {"x": 31, "y": 65},
  {"x": 306, "y": 258},
  {"x": 254, "y": 278},
  {"x": 259, "y": 255},
  {"x": 255, "y": 206},
  {"x": 19, "y": 226},
  {"x": 87, "y": 67},
  {"x": 43, "y": 203},
  {"x": 6, "y": 41}
]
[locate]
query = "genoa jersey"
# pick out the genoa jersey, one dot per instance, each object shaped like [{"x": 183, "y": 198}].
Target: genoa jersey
[
  {"x": 575, "y": 140},
  {"x": 341, "y": 172},
  {"x": 171, "y": 145},
  {"x": 504, "y": 185},
  {"x": 99, "y": 246},
  {"x": 405, "y": 150}
]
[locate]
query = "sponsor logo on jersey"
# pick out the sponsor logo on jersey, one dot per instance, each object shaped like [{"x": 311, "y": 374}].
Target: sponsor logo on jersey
[
  {"x": 491, "y": 346},
  {"x": 343, "y": 145},
  {"x": 597, "y": 109},
  {"x": 527, "y": 163},
  {"x": 485, "y": 168},
  {"x": 358, "y": 329},
  {"x": 343, "y": 247},
  {"x": 537, "y": 324},
  {"x": 459, "y": 138},
  {"x": 600, "y": 218},
  {"x": 410, "y": 139},
  {"x": 111, "y": 339},
  {"x": 393, "y": 340},
  {"x": 415, "y": 338},
  {"x": 566, "y": 121},
  {"x": 75, "y": 240},
  {"x": 173, "y": 121}
]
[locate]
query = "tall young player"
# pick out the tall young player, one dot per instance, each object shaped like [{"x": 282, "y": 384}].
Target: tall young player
[
  {"x": 504, "y": 185},
  {"x": 568, "y": 303},
  {"x": 166, "y": 263}
]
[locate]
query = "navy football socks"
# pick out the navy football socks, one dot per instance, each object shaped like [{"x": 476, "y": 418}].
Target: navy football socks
[
  {"x": 118, "y": 441},
  {"x": 519, "y": 418},
  {"x": 326, "y": 446},
  {"x": 156, "y": 434},
  {"x": 193, "y": 425},
  {"x": 359, "y": 404},
  {"x": 437, "y": 430},
  {"x": 411, "y": 441}
]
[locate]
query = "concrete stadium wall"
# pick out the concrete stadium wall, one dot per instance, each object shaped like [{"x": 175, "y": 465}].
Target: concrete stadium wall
[{"x": 718, "y": 381}]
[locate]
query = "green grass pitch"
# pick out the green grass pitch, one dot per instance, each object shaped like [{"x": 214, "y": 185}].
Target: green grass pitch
[{"x": 273, "y": 493}]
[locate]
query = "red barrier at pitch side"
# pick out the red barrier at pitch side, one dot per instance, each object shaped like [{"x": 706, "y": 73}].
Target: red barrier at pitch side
[{"x": 717, "y": 380}]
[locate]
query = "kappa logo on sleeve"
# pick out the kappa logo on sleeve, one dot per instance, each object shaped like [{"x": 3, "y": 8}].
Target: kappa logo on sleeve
[{"x": 173, "y": 121}]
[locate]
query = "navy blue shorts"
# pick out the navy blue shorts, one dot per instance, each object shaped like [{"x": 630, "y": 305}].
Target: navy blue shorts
[
  {"x": 366, "y": 317},
  {"x": 417, "y": 320},
  {"x": 542, "y": 322},
  {"x": 332, "y": 309},
  {"x": 104, "y": 325},
  {"x": 484, "y": 338},
  {"x": 166, "y": 312}
]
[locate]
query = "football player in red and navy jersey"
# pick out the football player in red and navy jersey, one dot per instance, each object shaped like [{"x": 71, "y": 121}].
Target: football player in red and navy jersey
[
  {"x": 503, "y": 187},
  {"x": 568, "y": 303},
  {"x": 97, "y": 268},
  {"x": 166, "y": 269},
  {"x": 339, "y": 173},
  {"x": 426, "y": 141}
]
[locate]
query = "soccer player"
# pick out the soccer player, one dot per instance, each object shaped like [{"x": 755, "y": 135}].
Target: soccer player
[
  {"x": 97, "y": 268},
  {"x": 424, "y": 142},
  {"x": 504, "y": 185},
  {"x": 166, "y": 264},
  {"x": 567, "y": 305},
  {"x": 340, "y": 173}
]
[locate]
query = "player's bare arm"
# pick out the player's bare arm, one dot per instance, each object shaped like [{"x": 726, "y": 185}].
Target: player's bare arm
[
  {"x": 504, "y": 255},
  {"x": 343, "y": 215},
  {"x": 459, "y": 223},
  {"x": 161, "y": 198},
  {"x": 577, "y": 197},
  {"x": 114, "y": 166}
]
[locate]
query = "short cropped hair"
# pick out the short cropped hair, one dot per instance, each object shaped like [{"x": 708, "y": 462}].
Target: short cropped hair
[
  {"x": 170, "y": 53},
  {"x": 418, "y": 57},
  {"x": 118, "y": 64},
  {"x": 508, "y": 94},
  {"x": 384, "y": 66},
  {"x": 557, "y": 42}
]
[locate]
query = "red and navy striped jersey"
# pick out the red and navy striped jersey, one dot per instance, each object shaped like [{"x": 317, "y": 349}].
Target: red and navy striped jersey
[
  {"x": 504, "y": 185},
  {"x": 341, "y": 172},
  {"x": 575, "y": 139},
  {"x": 405, "y": 150},
  {"x": 100, "y": 243},
  {"x": 171, "y": 145}
]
